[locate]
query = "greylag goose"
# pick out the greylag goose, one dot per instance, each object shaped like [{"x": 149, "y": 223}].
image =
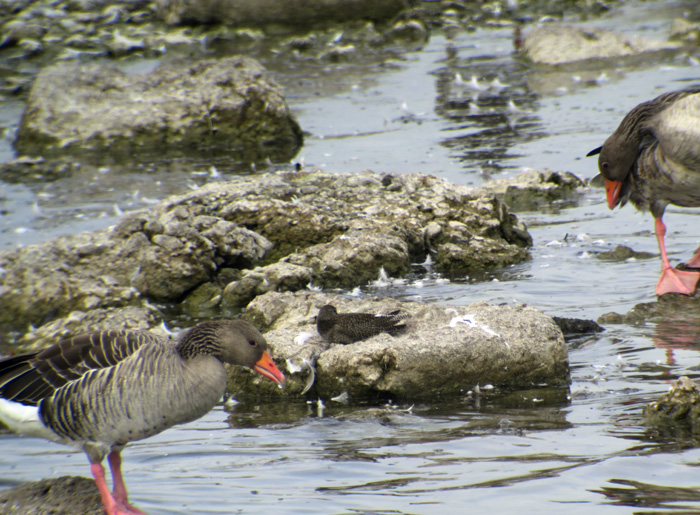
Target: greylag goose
[
  {"x": 653, "y": 160},
  {"x": 346, "y": 328},
  {"x": 102, "y": 390}
]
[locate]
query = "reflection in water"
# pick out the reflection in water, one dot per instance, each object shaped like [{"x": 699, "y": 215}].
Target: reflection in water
[
  {"x": 488, "y": 118},
  {"x": 647, "y": 495},
  {"x": 677, "y": 332}
]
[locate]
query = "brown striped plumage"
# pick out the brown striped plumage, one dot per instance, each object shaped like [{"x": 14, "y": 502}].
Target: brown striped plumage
[
  {"x": 103, "y": 390},
  {"x": 32, "y": 377},
  {"x": 346, "y": 328},
  {"x": 653, "y": 160}
]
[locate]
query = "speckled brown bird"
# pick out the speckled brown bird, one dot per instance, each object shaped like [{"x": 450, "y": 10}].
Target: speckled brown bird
[
  {"x": 346, "y": 328},
  {"x": 653, "y": 160}
]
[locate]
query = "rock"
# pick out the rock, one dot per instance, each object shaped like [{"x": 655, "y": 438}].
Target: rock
[
  {"x": 281, "y": 276},
  {"x": 443, "y": 350},
  {"x": 131, "y": 318},
  {"x": 553, "y": 44},
  {"x": 262, "y": 12},
  {"x": 577, "y": 326},
  {"x": 532, "y": 189},
  {"x": 362, "y": 224},
  {"x": 203, "y": 301},
  {"x": 65, "y": 495},
  {"x": 685, "y": 31},
  {"x": 678, "y": 411},
  {"x": 227, "y": 104},
  {"x": 275, "y": 232},
  {"x": 26, "y": 169},
  {"x": 407, "y": 30},
  {"x": 664, "y": 311},
  {"x": 159, "y": 257},
  {"x": 623, "y": 253}
]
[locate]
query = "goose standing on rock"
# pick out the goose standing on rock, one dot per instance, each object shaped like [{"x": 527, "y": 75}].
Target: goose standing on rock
[
  {"x": 102, "y": 390},
  {"x": 653, "y": 160}
]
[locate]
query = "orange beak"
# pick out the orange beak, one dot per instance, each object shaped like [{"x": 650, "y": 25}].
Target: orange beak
[
  {"x": 267, "y": 368},
  {"x": 612, "y": 192}
]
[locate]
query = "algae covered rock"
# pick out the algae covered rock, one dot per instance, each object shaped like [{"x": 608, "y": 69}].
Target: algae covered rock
[
  {"x": 677, "y": 411},
  {"x": 623, "y": 253}
]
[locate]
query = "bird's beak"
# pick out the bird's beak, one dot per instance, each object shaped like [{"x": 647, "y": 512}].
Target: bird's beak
[
  {"x": 267, "y": 368},
  {"x": 594, "y": 152},
  {"x": 612, "y": 192}
]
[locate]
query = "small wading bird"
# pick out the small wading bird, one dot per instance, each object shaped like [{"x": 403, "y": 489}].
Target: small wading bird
[
  {"x": 102, "y": 390},
  {"x": 346, "y": 328},
  {"x": 653, "y": 160}
]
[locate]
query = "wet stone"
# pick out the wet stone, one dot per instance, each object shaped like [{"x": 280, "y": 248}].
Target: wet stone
[
  {"x": 666, "y": 308},
  {"x": 555, "y": 44},
  {"x": 677, "y": 412},
  {"x": 443, "y": 350},
  {"x": 577, "y": 326},
  {"x": 66, "y": 495}
]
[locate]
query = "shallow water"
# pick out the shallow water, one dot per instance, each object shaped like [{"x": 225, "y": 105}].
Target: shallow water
[{"x": 577, "y": 451}]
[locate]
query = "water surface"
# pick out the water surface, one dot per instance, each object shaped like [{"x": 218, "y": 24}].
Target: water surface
[{"x": 578, "y": 451}]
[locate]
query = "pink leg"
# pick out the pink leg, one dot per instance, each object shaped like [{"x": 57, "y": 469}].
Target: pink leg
[
  {"x": 120, "y": 495},
  {"x": 111, "y": 506},
  {"x": 672, "y": 280}
]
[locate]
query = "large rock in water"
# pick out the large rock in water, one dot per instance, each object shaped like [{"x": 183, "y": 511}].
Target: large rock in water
[
  {"x": 218, "y": 247},
  {"x": 554, "y": 44},
  {"x": 444, "y": 350},
  {"x": 227, "y": 104}
]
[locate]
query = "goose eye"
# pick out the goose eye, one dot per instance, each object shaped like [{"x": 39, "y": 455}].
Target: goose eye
[
  {"x": 252, "y": 343},
  {"x": 605, "y": 165}
]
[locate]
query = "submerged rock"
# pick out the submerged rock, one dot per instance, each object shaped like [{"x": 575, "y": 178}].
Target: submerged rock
[
  {"x": 443, "y": 350},
  {"x": 228, "y": 104},
  {"x": 623, "y": 253},
  {"x": 66, "y": 495},
  {"x": 559, "y": 44}
]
